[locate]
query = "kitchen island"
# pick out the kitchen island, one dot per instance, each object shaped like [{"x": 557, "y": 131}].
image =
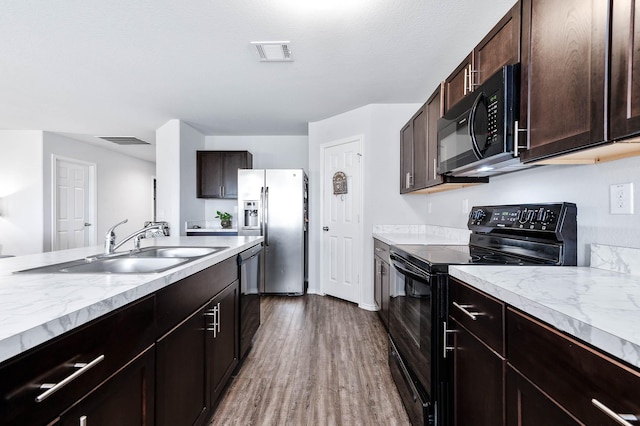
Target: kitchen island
[{"x": 118, "y": 347}]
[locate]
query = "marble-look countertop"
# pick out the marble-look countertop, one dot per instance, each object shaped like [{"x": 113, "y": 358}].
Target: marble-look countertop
[
  {"x": 196, "y": 230},
  {"x": 598, "y": 306},
  {"x": 420, "y": 234},
  {"x": 37, "y": 307}
]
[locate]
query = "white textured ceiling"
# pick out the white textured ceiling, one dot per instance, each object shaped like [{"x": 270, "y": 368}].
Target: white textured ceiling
[{"x": 125, "y": 67}]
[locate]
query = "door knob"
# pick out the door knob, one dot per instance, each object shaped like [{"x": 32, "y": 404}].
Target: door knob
[
  {"x": 87, "y": 224},
  {"x": 325, "y": 228}
]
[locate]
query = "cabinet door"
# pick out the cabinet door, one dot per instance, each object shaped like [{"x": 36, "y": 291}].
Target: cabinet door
[
  {"x": 406, "y": 158},
  {"x": 527, "y": 406},
  {"x": 377, "y": 282},
  {"x": 232, "y": 162},
  {"x": 222, "y": 341},
  {"x": 210, "y": 179},
  {"x": 563, "y": 75},
  {"x": 384, "y": 295},
  {"x": 181, "y": 372},
  {"x": 625, "y": 69},
  {"x": 477, "y": 381},
  {"x": 457, "y": 84},
  {"x": 420, "y": 164},
  {"x": 127, "y": 399},
  {"x": 434, "y": 110},
  {"x": 500, "y": 47}
]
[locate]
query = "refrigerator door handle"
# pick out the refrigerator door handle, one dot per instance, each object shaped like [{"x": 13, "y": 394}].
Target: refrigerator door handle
[
  {"x": 266, "y": 216},
  {"x": 262, "y": 211}
]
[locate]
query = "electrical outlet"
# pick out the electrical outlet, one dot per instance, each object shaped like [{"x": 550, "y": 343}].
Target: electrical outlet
[{"x": 621, "y": 198}]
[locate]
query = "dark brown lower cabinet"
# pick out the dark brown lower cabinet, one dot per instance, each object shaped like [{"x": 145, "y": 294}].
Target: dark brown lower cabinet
[
  {"x": 478, "y": 374},
  {"x": 528, "y": 406},
  {"x": 195, "y": 359},
  {"x": 223, "y": 344},
  {"x": 582, "y": 380},
  {"x": 181, "y": 397},
  {"x": 126, "y": 399}
]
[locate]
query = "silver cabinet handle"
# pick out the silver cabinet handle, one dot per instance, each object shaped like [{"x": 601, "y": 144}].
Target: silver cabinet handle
[
  {"x": 83, "y": 421},
  {"x": 378, "y": 249},
  {"x": 516, "y": 139},
  {"x": 212, "y": 327},
  {"x": 435, "y": 167},
  {"x": 463, "y": 308},
  {"x": 465, "y": 90},
  {"x": 52, "y": 388},
  {"x": 619, "y": 418},
  {"x": 445, "y": 348},
  {"x": 219, "y": 317}
]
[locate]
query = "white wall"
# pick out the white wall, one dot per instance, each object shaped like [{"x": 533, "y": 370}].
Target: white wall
[
  {"x": 124, "y": 185},
  {"x": 190, "y": 141},
  {"x": 176, "y": 146},
  {"x": 21, "y": 192},
  {"x": 379, "y": 125},
  {"x": 269, "y": 152}
]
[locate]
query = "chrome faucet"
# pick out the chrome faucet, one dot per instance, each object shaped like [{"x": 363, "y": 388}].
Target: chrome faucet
[{"x": 151, "y": 229}]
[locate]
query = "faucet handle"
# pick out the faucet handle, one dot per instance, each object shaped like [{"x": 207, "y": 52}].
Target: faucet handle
[
  {"x": 110, "y": 230},
  {"x": 110, "y": 238}
]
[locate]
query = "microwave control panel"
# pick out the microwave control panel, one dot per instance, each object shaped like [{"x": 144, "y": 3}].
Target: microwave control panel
[
  {"x": 526, "y": 217},
  {"x": 492, "y": 119}
]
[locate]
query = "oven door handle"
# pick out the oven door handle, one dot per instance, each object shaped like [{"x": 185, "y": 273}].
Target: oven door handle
[{"x": 409, "y": 270}]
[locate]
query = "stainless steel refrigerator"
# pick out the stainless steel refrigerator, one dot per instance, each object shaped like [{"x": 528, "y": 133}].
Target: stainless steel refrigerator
[{"x": 274, "y": 203}]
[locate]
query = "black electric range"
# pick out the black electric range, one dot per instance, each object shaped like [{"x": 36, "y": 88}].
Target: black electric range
[{"x": 527, "y": 234}]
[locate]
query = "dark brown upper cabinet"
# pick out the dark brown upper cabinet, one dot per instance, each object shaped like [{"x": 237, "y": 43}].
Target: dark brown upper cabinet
[
  {"x": 419, "y": 152},
  {"x": 217, "y": 172},
  {"x": 563, "y": 75},
  {"x": 498, "y": 48},
  {"x": 625, "y": 70},
  {"x": 413, "y": 152}
]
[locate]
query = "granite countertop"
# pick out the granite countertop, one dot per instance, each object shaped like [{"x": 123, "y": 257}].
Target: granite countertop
[
  {"x": 37, "y": 307},
  {"x": 598, "y": 306}
]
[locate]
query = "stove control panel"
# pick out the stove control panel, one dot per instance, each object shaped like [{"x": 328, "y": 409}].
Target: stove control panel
[{"x": 548, "y": 217}]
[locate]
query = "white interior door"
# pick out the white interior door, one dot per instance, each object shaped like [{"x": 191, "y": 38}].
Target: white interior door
[
  {"x": 341, "y": 245},
  {"x": 73, "y": 218}
]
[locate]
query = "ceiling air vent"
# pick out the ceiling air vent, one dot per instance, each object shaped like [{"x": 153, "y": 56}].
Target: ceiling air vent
[
  {"x": 273, "y": 51},
  {"x": 124, "y": 140}
]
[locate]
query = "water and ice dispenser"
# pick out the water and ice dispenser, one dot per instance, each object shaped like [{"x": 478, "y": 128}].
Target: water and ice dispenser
[{"x": 250, "y": 214}]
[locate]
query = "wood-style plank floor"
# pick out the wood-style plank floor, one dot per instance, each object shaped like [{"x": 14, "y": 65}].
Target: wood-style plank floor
[{"x": 315, "y": 361}]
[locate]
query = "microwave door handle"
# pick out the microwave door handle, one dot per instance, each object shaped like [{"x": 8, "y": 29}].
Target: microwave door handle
[{"x": 472, "y": 122}]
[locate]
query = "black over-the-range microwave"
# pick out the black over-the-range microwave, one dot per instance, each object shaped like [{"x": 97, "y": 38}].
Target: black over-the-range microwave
[{"x": 477, "y": 136}]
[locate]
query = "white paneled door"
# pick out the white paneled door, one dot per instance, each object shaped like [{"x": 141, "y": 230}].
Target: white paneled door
[
  {"x": 341, "y": 241},
  {"x": 73, "y": 219}
]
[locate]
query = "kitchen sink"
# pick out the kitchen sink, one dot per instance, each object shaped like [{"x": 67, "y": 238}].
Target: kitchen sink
[
  {"x": 147, "y": 260},
  {"x": 190, "y": 252}
]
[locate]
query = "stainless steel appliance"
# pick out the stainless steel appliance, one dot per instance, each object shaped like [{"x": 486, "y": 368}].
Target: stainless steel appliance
[
  {"x": 251, "y": 268},
  {"x": 477, "y": 136},
  {"x": 530, "y": 234},
  {"x": 273, "y": 203}
]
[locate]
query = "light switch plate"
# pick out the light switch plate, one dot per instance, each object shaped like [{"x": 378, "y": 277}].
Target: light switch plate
[{"x": 621, "y": 198}]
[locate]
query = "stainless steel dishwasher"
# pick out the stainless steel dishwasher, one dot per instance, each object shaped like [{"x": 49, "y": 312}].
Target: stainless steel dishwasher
[{"x": 251, "y": 268}]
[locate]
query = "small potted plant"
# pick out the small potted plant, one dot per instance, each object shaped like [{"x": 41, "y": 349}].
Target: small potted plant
[{"x": 225, "y": 219}]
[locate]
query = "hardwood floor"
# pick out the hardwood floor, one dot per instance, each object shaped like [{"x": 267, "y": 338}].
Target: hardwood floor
[{"x": 315, "y": 361}]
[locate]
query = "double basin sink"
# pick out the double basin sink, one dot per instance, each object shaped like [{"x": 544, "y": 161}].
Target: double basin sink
[{"x": 143, "y": 261}]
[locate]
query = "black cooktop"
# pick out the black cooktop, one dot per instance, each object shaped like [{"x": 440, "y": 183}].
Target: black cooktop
[{"x": 437, "y": 258}]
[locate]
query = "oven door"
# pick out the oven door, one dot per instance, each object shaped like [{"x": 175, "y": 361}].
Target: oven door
[{"x": 412, "y": 317}]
